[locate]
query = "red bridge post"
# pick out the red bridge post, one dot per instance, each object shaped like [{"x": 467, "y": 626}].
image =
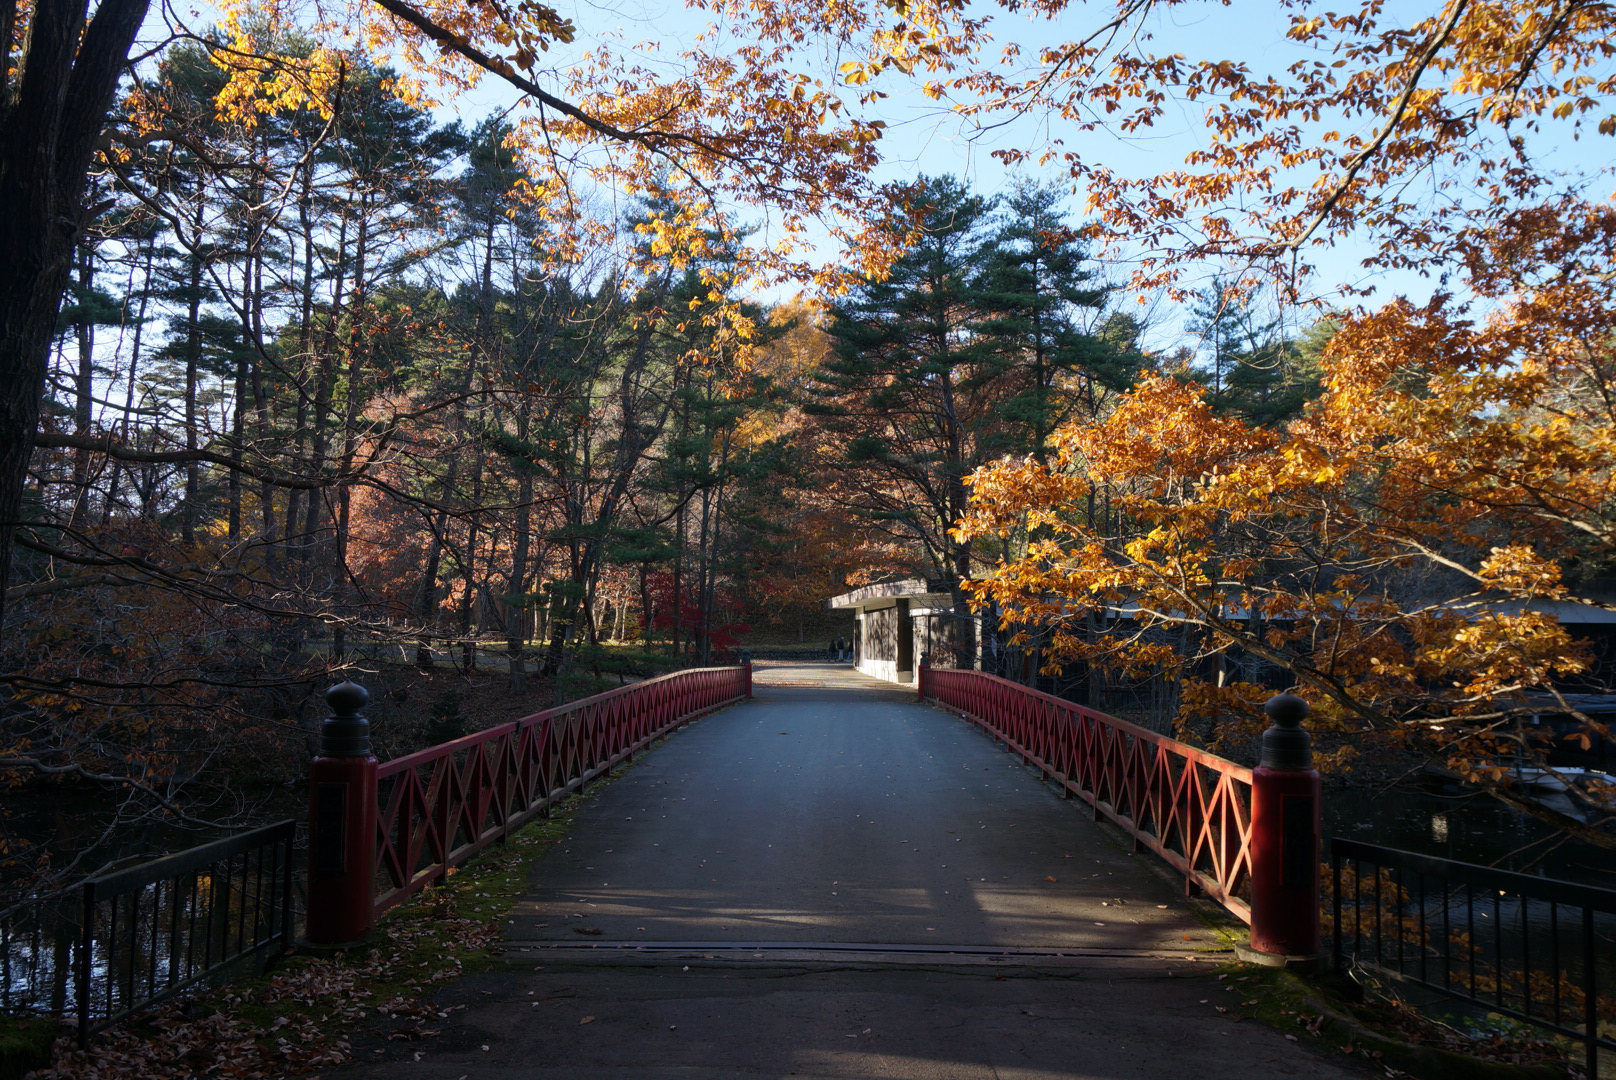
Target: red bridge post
[
  {"x": 342, "y": 823},
  {"x": 1286, "y": 836},
  {"x": 920, "y": 676},
  {"x": 746, "y": 666}
]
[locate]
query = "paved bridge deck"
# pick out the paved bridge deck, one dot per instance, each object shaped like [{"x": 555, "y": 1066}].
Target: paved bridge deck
[
  {"x": 835, "y": 881},
  {"x": 835, "y": 810}
]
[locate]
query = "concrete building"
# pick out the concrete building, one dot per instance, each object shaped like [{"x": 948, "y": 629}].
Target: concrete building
[{"x": 898, "y": 622}]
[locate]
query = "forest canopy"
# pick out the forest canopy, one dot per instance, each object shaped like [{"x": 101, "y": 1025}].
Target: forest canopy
[{"x": 289, "y": 363}]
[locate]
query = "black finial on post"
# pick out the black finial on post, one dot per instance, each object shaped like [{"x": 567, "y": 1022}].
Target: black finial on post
[
  {"x": 345, "y": 733},
  {"x": 1286, "y": 744}
]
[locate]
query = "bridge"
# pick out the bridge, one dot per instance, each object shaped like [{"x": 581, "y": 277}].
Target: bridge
[
  {"x": 826, "y": 857},
  {"x": 834, "y": 879},
  {"x": 833, "y": 814}
]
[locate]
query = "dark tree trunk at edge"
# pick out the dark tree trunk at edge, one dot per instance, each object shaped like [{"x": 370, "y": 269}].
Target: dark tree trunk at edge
[{"x": 51, "y": 117}]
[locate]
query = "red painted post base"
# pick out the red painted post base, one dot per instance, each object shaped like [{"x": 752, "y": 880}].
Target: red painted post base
[
  {"x": 342, "y": 824},
  {"x": 342, "y": 849},
  {"x": 1285, "y": 847},
  {"x": 747, "y": 667}
]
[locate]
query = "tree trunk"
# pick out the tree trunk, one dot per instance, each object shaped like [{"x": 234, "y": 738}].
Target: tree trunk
[
  {"x": 238, "y": 440},
  {"x": 468, "y": 620},
  {"x": 427, "y": 598},
  {"x": 645, "y": 607},
  {"x": 321, "y": 419},
  {"x": 53, "y": 102},
  {"x": 83, "y": 391},
  {"x": 700, "y": 633},
  {"x": 297, "y": 498},
  {"x": 193, "y": 358},
  {"x": 678, "y": 603},
  {"x": 515, "y": 620},
  {"x": 127, "y": 418}
]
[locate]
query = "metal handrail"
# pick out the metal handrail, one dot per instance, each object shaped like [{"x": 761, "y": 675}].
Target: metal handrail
[
  {"x": 157, "y": 929},
  {"x": 131, "y": 938},
  {"x": 1440, "y": 924},
  {"x": 1192, "y": 808},
  {"x": 441, "y": 805}
]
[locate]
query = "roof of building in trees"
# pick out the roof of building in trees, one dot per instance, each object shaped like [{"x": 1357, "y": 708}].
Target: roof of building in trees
[{"x": 929, "y": 593}]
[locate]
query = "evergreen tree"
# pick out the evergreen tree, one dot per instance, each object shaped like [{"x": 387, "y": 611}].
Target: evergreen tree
[
  {"x": 1035, "y": 288},
  {"x": 910, "y": 401},
  {"x": 1249, "y": 366}
]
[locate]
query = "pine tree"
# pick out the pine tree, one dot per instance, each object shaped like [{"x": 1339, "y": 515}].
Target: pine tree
[
  {"x": 1035, "y": 289},
  {"x": 1250, "y": 368},
  {"x": 910, "y": 399}
]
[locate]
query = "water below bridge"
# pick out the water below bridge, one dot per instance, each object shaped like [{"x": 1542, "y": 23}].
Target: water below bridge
[{"x": 835, "y": 881}]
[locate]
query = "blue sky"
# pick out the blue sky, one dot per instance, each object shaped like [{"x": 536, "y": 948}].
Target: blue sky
[{"x": 922, "y": 137}]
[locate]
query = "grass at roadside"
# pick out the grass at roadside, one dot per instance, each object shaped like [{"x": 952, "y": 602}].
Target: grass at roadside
[
  {"x": 312, "y": 1010},
  {"x": 1382, "y": 1032},
  {"x": 25, "y": 1041}
]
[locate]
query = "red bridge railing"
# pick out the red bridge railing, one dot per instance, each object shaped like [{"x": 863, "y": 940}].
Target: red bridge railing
[
  {"x": 440, "y": 806},
  {"x": 1191, "y": 808}
]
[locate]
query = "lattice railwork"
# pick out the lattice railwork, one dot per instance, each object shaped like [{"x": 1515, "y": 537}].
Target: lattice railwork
[
  {"x": 1189, "y": 807},
  {"x": 441, "y": 805}
]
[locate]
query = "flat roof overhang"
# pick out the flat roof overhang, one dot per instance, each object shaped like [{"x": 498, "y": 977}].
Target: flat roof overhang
[{"x": 922, "y": 593}]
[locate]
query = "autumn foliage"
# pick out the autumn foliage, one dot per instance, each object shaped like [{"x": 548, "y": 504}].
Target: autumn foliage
[
  {"x": 328, "y": 368},
  {"x": 1403, "y": 551},
  {"x": 1392, "y": 551}
]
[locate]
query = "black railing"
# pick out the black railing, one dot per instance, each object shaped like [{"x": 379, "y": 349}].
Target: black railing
[
  {"x": 1534, "y": 949},
  {"x": 131, "y": 938}
]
